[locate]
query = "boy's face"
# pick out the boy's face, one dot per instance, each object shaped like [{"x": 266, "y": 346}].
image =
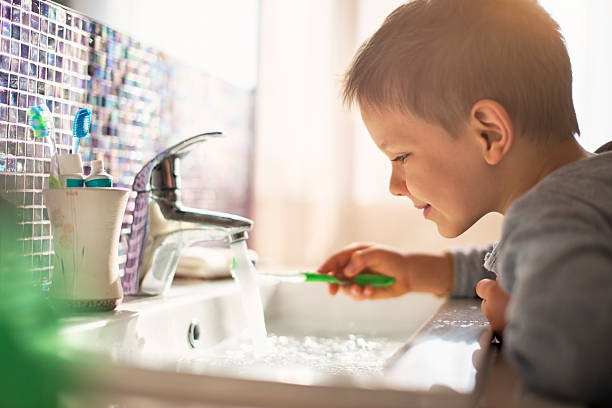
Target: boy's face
[{"x": 444, "y": 175}]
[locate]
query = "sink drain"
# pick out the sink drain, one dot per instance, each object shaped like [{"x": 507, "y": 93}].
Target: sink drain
[{"x": 193, "y": 333}]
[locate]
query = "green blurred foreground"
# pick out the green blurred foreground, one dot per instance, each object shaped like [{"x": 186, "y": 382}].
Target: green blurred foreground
[{"x": 31, "y": 371}]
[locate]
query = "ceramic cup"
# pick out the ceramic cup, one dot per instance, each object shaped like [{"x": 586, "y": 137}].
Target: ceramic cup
[{"x": 86, "y": 223}]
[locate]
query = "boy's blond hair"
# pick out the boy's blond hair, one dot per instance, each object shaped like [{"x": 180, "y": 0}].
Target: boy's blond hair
[{"x": 436, "y": 58}]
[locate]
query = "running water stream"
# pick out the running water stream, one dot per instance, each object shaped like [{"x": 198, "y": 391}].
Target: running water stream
[{"x": 244, "y": 272}]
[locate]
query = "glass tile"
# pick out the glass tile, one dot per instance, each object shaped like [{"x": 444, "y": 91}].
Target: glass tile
[
  {"x": 12, "y": 148},
  {"x": 23, "y": 100},
  {"x": 4, "y": 79},
  {"x": 34, "y": 54},
  {"x": 35, "y": 22},
  {"x": 25, "y": 51},
  {"x": 16, "y": 18},
  {"x": 14, "y": 65},
  {"x": 35, "y": 6},
  {"x": 23, "y": 83},
  {"x": 35, "y": 39},
  {"x": 13, "y": 81},
  {"x": 23, "y": 67},
  {"x": 7, "y": 12},
  {"x": 44, "y": 9},
  {"x": 15, "y": 48},
  {"x": 15, "y": 31},
  {"x": 52, "y": 28},
  {"x": 6, "y": 29},
  {"x": 17, "y": 2},
  {"x": 25, "y": 35},
  {"x": 5, "y": 62},
  {"x": 6, "y": 45}
]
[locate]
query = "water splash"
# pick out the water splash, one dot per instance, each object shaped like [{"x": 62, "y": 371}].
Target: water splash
[
  {"x": 244, "y": 272},
  {"x": 337, "y": 355}
]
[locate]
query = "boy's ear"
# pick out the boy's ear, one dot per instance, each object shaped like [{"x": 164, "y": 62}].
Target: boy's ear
[{"x": 493, "y": 128}]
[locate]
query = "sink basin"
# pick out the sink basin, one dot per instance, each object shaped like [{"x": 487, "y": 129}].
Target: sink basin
[{"x": 192, "y": 346}]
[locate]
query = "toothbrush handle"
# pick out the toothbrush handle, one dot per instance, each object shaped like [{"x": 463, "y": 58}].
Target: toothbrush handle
[{"x": 76, "y": 143}]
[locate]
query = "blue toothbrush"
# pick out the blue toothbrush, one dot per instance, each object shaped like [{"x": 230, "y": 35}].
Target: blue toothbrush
[{"x": 80, "y": 127}]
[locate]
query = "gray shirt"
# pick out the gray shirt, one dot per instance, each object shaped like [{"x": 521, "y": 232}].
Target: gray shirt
[{"x": 555, "y": 259}]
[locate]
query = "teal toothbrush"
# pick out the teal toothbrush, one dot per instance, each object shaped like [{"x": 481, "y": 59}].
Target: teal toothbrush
[{"x": 80, "y": 127}]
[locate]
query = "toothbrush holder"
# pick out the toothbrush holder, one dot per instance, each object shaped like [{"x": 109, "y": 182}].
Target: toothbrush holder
[{"x": 86, "y": 224}]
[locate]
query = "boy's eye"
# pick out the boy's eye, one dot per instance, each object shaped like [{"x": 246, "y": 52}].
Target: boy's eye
[{"x": 401, "y": 158}]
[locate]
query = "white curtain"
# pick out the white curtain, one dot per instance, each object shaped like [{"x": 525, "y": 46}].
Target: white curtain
[{"x": 587, "y": 30}]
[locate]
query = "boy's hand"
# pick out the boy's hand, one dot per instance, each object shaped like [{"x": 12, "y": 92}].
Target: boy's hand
[
  {"x": 494, "y": 304},
  {"x": 412, "y": 272}
]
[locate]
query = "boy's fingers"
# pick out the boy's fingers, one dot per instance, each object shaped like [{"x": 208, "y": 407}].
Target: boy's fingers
[
  {"x": 337, "y": 261},
  {"x": 361, "y": 259},
  {"x": 332, "y": 288},
  {"x": 485, "y": 287},
  {"x": 357, "y": 292}
]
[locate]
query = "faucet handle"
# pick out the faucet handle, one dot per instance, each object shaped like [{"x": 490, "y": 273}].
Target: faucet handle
[{"x": 142, "y": 180}]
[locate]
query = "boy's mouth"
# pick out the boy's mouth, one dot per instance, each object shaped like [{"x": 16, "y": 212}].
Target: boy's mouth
[{"x": 426, "y": 209}]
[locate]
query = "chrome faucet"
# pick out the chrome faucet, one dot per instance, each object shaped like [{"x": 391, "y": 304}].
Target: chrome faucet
[{"x": 162, "y": 226}]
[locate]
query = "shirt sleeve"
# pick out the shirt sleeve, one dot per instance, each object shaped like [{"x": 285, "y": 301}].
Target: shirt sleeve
[
  {"x": 560, "y": 323},
  {"x": 469, "y": 269}
]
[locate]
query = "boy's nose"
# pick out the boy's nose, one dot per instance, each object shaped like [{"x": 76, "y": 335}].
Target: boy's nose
[{"x": 397, "y": 185}]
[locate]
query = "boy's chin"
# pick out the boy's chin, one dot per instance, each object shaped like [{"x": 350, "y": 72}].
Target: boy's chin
[{"x": 448, "y": 230}]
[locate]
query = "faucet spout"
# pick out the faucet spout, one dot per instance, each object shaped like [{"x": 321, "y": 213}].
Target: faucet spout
[{"x": 163, "y": 226}]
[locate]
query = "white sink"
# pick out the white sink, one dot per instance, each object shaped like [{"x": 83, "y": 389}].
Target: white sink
[{"x": 403, "y": 356}]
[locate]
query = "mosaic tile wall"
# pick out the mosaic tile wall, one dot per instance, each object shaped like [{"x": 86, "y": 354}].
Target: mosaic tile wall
[{"x": 142, "y": 102}]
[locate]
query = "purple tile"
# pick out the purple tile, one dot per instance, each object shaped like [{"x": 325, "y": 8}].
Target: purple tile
[
  {"x": 35, "y": 22},
  {"x": 25, "y": 51},
  {"x": 16, "y": 17}
]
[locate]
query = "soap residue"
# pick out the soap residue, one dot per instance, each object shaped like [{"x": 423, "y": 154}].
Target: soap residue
[{"x": 337, "y": 355}]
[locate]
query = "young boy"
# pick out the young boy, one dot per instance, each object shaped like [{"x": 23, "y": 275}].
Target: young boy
[{"x": 471, "y": 101}]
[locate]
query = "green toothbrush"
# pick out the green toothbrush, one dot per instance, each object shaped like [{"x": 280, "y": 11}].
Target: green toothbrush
[{"x": 363, "y": 279}]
